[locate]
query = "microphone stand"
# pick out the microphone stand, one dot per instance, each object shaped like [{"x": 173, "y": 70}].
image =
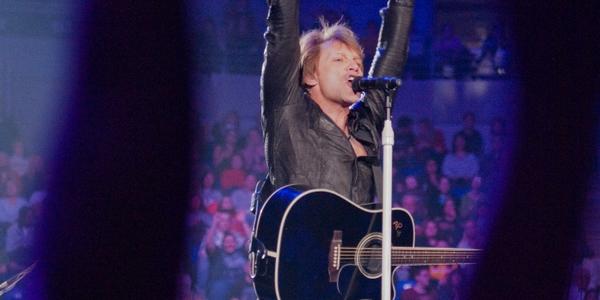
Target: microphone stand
[{"x": 387, "y": 136}]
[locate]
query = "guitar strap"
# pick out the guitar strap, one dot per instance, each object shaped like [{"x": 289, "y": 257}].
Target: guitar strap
[
  {"x": 262, "y": 190},
  {"x": 257, "y": 251}
]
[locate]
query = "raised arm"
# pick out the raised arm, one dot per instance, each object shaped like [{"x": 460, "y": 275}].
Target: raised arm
[
  {"x": 281, "y": 68},
  {"x": 392, "y": 47},
  {"x": 391, "y": 52}
]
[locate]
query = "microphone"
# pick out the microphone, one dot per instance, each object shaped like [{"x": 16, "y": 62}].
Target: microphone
[{"x": 361, "y": 84}]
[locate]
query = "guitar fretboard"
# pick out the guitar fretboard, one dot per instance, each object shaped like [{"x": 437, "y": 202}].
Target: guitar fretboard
[{"x": 410, "y": 255}]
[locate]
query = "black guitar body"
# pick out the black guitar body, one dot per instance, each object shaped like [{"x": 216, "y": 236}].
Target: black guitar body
[{"x": 295, "y": 231}]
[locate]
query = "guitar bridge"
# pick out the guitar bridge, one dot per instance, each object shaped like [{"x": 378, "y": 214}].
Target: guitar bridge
[{"x": 334, "y": 256}]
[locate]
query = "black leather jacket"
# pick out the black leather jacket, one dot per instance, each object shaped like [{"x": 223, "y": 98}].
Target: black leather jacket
[{"x": 303, "y": 145}]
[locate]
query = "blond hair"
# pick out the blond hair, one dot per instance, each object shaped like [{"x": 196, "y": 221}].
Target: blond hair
[{"x": 311, "y": 41}]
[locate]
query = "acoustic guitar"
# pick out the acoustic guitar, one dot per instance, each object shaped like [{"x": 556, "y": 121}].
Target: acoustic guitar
[{"x": 316, "y": 244}]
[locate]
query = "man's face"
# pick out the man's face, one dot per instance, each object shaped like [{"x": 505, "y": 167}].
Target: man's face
[
  {"x": 223, "y": 222},
  {"x": 337, "y": 66},
  {"x": 229, "y": 244},
  {"x": 411, "y": 183}
]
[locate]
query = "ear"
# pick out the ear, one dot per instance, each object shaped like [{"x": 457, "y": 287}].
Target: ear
[{"x": 311, "y": 80}]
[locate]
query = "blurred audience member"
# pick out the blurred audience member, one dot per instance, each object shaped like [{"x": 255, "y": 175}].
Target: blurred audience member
[
  {"x": 226, "y": 268},
  {"x": 414, "y": 205},
  {"x": 494, "y": 58},
  {"x": 431, "y": 180},
  {"x": 404, "y": 147},
  {"x": 405, "y": 138},
  {"x": 253, "y": 152},
  {"x": 412, "y": 185},
  {"x": 473, "y": 138},
  {"x": 448, "y": 224},
  {"x": 440, "y": 273},
  {"x": 453, "y": 288},
  {"x": 11, "y": 202},
  {"x": 224, "y": 151},
  {"x": 197, "y": 215},
  {"x": 34, "y": 178},
  {"x": 211, "y": 196},
  {"x": 460, "y": 166},
  {"x": 242, "y": 196},
  {"x": 247, "y": 292},
  {"x": 17, "y": 161},
  {"x": 469, "y": 201},
  {"x": 234, "y": 175},
  {"x": 5, "y": 172},
  {"x": 430, "y": 236},
  {"x": 36, "y": 202},
  {"x": 453, "y": 58},
  {"x": 494, "y": 158},
  {"x": 422, "y": 289},
  {"x": 398, "y": 192},
  {"x": 243, "y": 46},
  {"x": 430, "y": 142},
  {"x": 591, "y": 263},
  {"x": 19, "y": 240},
  {"x": 209, "y": 49},
  {"x": 470, "y": 236},
  {"x": 237, "y": 219},
  {"x": 439, "y": 199}
]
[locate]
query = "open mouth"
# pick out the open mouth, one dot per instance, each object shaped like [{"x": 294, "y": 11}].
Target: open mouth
[{"x": 350, "y": 80}]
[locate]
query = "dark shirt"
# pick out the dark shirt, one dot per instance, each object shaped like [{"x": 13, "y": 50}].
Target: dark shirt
[
  {"x": 473, "y": 141},
  {"x": 303, "y": 145},
  {"x": 226, "y": 266}
]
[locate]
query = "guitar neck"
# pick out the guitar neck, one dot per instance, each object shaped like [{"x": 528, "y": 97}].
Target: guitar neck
[{"x": 413, "y": 256}]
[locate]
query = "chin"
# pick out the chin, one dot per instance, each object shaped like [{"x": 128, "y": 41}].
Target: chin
[
  {"x": 348, "y": 103},
  {"x": 354, "y": 99}
]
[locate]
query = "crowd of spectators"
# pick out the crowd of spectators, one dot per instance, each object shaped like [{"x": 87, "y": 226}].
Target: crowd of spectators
[
  {"x": 446, "y": 189},
  {"x": 487, "y": 54},
  {"x": 444, "y": 186},
  {"x": 230, "y": 162},
  {"x": 478, "y": 51},
  {"x": 22, "y": 191}
]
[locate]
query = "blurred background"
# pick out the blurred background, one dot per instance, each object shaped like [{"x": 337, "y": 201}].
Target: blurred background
[{"x": 454, "y": 122}]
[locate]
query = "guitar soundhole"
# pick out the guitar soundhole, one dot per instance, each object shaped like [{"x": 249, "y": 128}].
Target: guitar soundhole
[{"x": 368, "y": 255}]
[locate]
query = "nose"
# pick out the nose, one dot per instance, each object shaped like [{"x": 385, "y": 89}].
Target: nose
[{"x": 354, "y": 67}]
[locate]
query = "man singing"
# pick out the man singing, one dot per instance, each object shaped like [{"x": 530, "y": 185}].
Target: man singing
[{"x": 318, "y": 131}]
